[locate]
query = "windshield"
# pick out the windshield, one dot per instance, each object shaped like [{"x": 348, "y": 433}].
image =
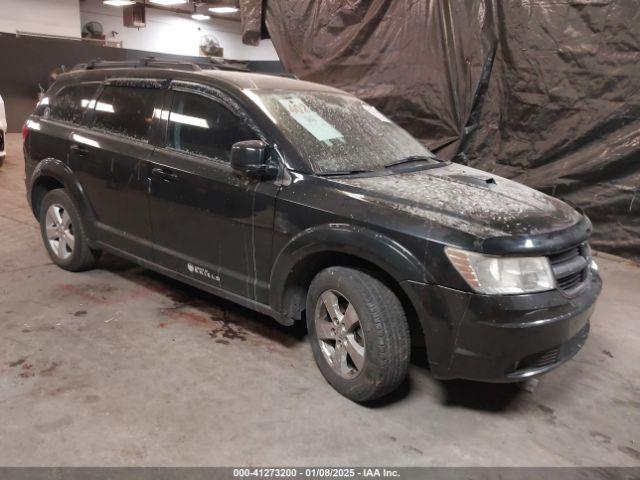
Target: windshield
[{"x": 337, "y": 132}]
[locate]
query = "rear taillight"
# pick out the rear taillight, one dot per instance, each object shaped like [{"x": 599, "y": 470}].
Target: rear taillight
[{"x": 25, "y": 131}]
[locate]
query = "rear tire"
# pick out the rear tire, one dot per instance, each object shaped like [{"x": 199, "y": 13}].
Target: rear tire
[
  {"x": 63, "y": 234},
  {"x": 359, "y": 333}
]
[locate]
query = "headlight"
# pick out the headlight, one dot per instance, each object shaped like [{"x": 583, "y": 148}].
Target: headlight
[{"x": 502, "y": 275}]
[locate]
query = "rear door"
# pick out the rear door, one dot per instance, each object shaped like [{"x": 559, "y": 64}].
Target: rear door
[
  {"x": 209, "y": 224},
  {"x": 110, "y": 156}
]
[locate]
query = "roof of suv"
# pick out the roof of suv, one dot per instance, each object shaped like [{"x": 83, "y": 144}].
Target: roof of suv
[
  {"x": 244, "y": 80},
  {"x": 239, "y": 80}
]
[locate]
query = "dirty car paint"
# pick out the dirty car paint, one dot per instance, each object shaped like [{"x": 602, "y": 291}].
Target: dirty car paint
[{"x": 468, "y": 199}]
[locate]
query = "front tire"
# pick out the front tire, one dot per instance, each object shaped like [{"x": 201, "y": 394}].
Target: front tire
[
  {"x": 63, "y": 233},
  {"x": 359, "y": 333}
]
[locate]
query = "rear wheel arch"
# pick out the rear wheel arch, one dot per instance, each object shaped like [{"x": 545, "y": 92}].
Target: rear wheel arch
[
  {"x": 41, "y": 186},
  {"x": 51, "y": 174}
]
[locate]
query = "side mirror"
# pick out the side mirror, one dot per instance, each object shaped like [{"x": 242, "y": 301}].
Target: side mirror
[{"x": 251, "y": 158}]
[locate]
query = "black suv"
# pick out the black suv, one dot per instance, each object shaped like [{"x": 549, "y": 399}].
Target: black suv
[{"x": 303, "y": 202}]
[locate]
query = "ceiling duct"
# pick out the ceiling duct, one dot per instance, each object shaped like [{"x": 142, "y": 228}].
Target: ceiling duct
[{"x": 134, "y": 16}]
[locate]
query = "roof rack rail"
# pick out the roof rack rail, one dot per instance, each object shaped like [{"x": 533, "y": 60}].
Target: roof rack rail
[
  {"x": 153, "y": 62},
  {"x": 214, "y": 63},
  {"x": 210, "y": 63}
]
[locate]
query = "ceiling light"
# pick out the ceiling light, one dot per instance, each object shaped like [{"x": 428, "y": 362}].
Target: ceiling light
[
  {"x": 223, "y": 9},
  {"x": 168, "y": 2},
  {"x": 118, "y": 3},
  {"x": 200, "y": 16}
]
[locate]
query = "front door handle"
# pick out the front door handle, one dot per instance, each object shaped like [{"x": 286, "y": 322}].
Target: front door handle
[
  {"x": 164, "y": 174},
  {"x": 80, "y": 150}
]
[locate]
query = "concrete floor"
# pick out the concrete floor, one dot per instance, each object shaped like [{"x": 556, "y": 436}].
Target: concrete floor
[{"x": 120, "y": 366}]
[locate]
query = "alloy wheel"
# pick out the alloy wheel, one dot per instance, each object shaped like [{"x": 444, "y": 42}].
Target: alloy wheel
[
  {"x": 59, "y": 231},
  {"x": 339, "y": 333}
]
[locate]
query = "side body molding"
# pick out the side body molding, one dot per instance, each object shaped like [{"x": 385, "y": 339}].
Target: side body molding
[{"x": 364, "y": 244}]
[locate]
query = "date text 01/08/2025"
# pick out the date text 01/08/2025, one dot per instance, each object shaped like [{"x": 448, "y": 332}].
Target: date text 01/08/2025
[{"x": 316, "y": 473}]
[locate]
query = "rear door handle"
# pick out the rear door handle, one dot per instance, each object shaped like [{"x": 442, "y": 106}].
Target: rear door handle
[
  {"x": 164, "y": 174},
  {"x": 80, "y": 150}
]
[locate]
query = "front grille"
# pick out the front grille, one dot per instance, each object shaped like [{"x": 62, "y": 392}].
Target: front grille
[
  {"x": 550, "y": 357},
  {"x": 571, "y": 267},
  {"x": 570, "y": 281},
  {"x": 540, "y": 360},
  {"x": 565, "y": 255}
]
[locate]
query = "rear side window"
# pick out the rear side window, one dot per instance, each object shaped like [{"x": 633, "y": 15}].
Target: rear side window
[
  {"x": 202, "y": 126},
  {"x": 127, "y": 111},
  {"x": 70, "y": 103}
]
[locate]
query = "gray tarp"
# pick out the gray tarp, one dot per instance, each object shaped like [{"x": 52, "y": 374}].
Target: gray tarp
[{"x": 543, "y": 92}]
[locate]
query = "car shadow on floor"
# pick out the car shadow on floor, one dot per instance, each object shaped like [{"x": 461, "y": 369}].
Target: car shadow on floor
[
  {"x": 487, "y": 397},
  {"x": 198, "y": 307},
  {"x": 454, "y": 393}
]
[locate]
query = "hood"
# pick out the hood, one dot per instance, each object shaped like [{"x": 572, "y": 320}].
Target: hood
[{"x": 467, "y": 199}]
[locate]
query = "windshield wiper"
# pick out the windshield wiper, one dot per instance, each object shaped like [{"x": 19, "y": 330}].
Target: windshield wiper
[{"x": 411, "y": 159}]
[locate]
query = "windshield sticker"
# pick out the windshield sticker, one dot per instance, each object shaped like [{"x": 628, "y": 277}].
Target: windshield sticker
[
  {"x": 375, "y": 112},
  {"x": 310, "y": 120}
]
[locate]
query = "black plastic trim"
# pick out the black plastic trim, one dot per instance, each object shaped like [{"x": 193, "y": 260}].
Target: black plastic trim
[{"x": 543, "y": 244}]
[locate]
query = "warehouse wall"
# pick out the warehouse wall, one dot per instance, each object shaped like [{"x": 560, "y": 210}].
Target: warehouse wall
[
  {"x": 175, "y": 34},
  {"x": 33, "y": 58},
  {"x": 53, "y": 17}
]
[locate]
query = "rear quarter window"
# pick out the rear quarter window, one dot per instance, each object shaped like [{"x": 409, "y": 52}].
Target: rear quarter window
[
  {"x": 127, "y": 111},
  {"x": 69, "y": 104}
]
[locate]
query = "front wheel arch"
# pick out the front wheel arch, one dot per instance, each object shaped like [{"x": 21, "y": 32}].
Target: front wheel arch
[
  {"x": 294, "y": 292},
  {"x": 336, "y": 245}
]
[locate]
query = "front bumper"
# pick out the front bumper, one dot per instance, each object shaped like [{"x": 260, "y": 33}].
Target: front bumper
[{"x": 501, "y": 338}]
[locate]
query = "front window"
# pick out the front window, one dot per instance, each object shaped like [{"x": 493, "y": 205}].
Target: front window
[
  {"x": 337, "y": 132},
  {"x": 200, "y": 126}
]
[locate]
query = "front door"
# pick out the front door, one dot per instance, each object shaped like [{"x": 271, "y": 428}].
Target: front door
[
  {"x": 110, "y": 158},
  {"x": 209, "y": 224}
]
